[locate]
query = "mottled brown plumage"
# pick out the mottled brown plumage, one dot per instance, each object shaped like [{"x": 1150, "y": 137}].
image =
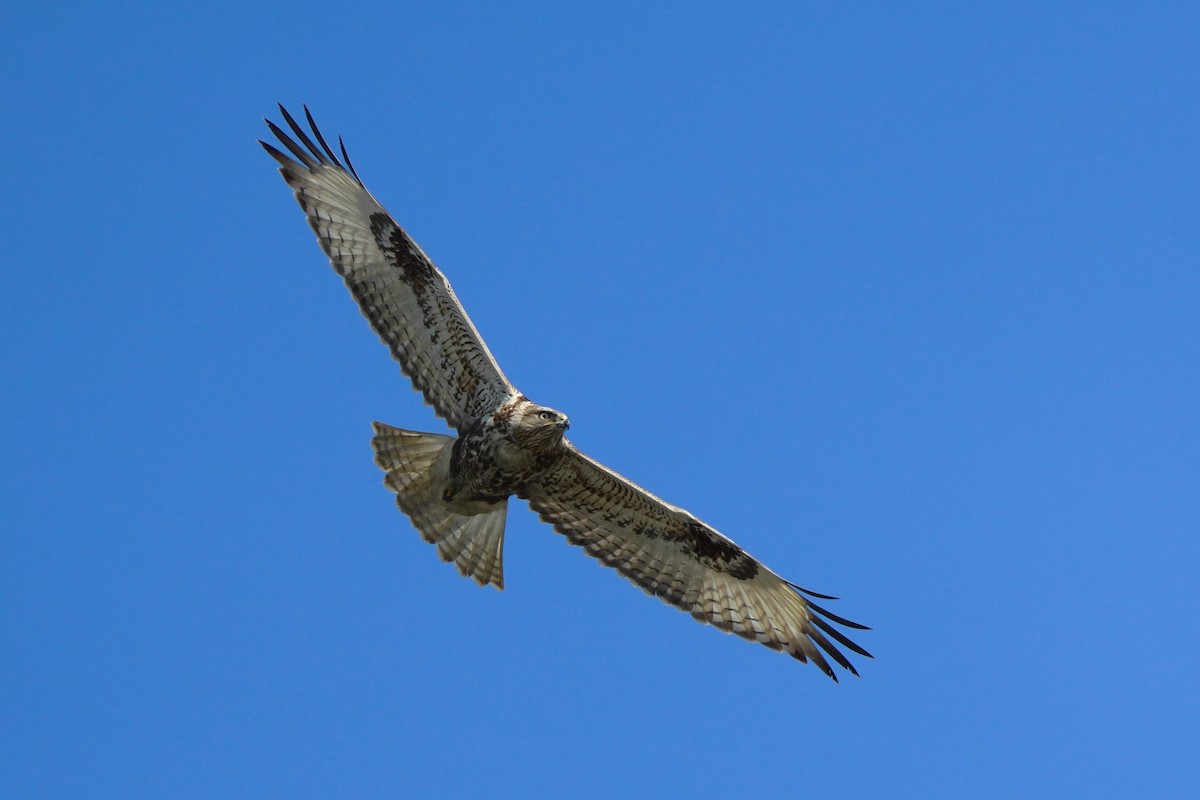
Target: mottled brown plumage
[{"x": 456, "y": 488}]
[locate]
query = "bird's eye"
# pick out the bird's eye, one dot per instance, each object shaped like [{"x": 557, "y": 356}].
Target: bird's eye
[{"x": 546, "y": 415}]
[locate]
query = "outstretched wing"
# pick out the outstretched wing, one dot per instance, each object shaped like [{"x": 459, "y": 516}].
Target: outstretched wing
[
  {"x": 671, "y": 554},
  {"x": 407, "y": 300}
]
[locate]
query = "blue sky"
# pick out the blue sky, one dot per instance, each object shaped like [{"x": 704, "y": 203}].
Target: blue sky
[{"x": 904, "y": 299}]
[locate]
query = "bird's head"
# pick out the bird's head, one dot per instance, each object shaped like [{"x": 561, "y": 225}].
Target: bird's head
[
  {"x": 540, "y": 426},
  {"x": 549, "y": 416}
]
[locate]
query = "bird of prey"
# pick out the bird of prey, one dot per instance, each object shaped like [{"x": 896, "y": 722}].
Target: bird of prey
[{"x": 455, "y": 489}]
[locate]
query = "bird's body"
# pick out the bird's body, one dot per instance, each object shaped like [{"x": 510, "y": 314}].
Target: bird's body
[
  {"x": 456, "y": 488},
  {"x": 506, "y": 451}
]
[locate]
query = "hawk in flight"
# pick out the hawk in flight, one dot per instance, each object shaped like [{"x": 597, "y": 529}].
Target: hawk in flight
[{"x": 455, "y": 489}]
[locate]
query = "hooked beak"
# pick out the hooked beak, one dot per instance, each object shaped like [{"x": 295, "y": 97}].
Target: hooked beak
[{"x": 564, "y": 423}]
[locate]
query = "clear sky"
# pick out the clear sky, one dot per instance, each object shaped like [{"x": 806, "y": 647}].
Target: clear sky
[{"x": 904, "y": 298}]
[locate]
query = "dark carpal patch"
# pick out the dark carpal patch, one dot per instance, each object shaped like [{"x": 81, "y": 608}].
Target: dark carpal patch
[
  {"x": 404, "y": 253},
  {"x": 717, "y": 553}
]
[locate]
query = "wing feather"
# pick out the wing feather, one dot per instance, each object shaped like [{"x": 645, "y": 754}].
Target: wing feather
[
  {"x": 406, "y": 299},
  {"x": 672, "y": 555}
]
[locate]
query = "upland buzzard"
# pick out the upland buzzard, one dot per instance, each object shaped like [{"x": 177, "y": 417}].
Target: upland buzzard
[{"x": 456, "y": 488}]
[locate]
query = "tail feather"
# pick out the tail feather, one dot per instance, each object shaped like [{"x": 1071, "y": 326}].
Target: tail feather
[
  {"x": 478, "y": 550},
  {"x": 417, "y": 467}
]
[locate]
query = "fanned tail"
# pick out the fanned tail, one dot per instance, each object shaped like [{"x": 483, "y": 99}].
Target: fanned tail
[{"x": 418, "y": 468}]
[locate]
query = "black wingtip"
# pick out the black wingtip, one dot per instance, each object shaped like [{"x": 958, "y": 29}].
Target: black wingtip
[
  {"x": 301, "y": 155},
  {"x": 317, "y": 132},
  {"x": 301, "y": 134},
  {"x": 810, "y": 592},
  {"x": 311, "y": 154},
  {"x": 834, "y": 617},
  {"x": 842, "y": 638},
  {"x": 349, "y": 163}
]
